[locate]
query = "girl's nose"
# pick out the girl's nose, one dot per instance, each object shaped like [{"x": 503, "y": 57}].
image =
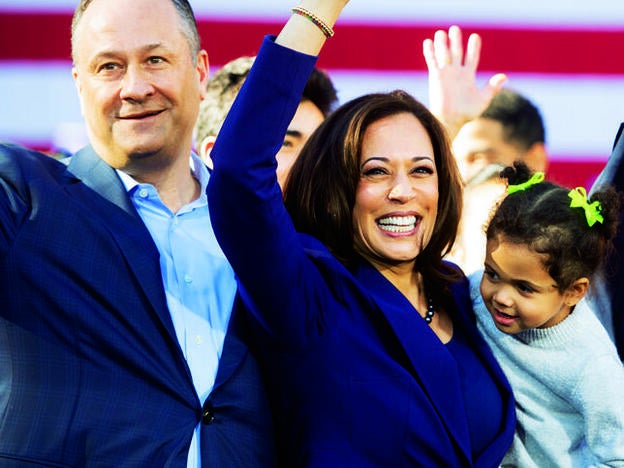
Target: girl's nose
[{"x": 503, "y": 297}]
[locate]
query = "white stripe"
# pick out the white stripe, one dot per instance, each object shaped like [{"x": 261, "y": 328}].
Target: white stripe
[
  {"x": 581, "y": 114},
  {"x": 40, "y": 104},
  {"x": 441, "y": 12}
]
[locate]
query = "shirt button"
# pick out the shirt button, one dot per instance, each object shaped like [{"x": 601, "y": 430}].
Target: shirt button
[
  {"x": 208, "y": 416},
  {"x": 188, "y": 279},
  {"x": 143, "y": 193}
]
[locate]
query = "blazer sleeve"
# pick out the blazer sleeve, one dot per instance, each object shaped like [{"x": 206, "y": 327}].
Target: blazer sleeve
[
  {"x": 15, "y": 196},
  {"x": 277, "y": 281}
]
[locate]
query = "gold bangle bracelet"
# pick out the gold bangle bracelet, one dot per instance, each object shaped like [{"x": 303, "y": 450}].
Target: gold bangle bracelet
[{"x": 318, "y": 22}]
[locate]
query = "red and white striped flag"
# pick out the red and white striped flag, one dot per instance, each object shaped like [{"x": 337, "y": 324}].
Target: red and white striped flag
[{"x": 565, "y": 55}]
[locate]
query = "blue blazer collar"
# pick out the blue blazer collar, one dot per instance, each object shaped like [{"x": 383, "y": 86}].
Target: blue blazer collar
[
  {"x": 96, "y": 174},
  {"x": 433, "y": 365}
]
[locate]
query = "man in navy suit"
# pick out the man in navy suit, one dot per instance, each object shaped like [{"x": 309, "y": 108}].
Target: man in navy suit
[
  {"x": 120, "y": 342},
  {"x": 608, "y": 297}
]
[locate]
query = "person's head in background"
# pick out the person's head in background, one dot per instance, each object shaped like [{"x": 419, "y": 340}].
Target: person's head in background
[
  {"x": 481, "y": 195},
  {"x": 510, "y": 129},
  {"x": 319, "y": 99}
]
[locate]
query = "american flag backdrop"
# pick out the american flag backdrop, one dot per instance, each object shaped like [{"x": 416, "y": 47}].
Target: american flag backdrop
[{"x": 565, "y": 55}]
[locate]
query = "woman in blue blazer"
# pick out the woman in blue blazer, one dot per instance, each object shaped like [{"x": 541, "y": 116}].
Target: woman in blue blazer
[{"x": 365, "y": 335}]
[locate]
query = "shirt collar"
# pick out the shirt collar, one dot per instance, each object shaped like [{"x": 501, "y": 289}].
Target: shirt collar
[{"x": 198, "y": 169}]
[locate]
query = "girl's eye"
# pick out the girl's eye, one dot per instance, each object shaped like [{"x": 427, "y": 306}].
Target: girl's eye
[
  {"x": 525, "y": 288},
  {"x": 491, "y": 274}
]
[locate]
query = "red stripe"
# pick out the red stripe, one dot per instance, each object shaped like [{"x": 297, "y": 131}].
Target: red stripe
[
  {"x": 34, "y": 36},
  {"x": 574, "y": 172},
  {"x": 357, "y": 46}
]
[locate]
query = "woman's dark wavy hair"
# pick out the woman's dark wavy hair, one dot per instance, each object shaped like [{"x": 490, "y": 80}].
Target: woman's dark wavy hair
[
  {"x": 320, "y": 192},
  {"x": 541, "y": 217}
]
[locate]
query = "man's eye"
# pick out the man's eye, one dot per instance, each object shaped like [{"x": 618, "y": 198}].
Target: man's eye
[{"x": 108, "y": 66}]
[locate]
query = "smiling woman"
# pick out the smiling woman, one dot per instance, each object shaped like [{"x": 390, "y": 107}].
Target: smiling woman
[
  {"x": 396, "y": 201},
  {"x": 366, "y": 336}
]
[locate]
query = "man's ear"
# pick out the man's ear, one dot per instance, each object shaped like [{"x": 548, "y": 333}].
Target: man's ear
[
  {"x": 205, "y": 148},
  {"x": 78, "y": 86},
  {"x": 576, "y": 292},
  {"x": 536, "y": 157},
  {"x": 203, "y": 72}
]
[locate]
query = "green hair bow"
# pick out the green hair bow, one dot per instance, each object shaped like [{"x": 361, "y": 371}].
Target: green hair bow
[
  {"x": 592, "y": 210},
  {"x": 535, "y": 179}
]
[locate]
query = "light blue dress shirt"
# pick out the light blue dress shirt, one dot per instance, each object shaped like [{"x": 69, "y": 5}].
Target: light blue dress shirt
[{"x": 199, "y": 282}]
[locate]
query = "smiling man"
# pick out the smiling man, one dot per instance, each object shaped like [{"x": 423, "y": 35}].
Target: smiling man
[{"x": 120, "y": 343}]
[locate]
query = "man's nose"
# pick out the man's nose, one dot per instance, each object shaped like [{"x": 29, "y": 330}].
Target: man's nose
[{"x": 136, "y": 84}]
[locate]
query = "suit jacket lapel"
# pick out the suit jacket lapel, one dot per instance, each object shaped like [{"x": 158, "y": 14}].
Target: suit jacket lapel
[
  {"x": 92, "y": 171},
  {"x": 434, "y": 367},
  {"x": 94, "y": 183}
]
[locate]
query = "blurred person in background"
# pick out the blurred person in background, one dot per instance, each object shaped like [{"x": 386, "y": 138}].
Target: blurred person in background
[
  {"x": 318, "y": 100},
  {"x": 488, "y": 125},
  {"x": 607, "y": 296},
  {"x": 491, "y": 127}
]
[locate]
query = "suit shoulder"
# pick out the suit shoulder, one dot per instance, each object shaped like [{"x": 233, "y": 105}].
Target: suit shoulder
[
  {"x": 22, "y": 172},
  {"x": 16, "y": 160},
  {"x": 23, "y": 169}
]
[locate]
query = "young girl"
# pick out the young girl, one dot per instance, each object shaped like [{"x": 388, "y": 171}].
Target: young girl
[{"x": 544, "y": 243}]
